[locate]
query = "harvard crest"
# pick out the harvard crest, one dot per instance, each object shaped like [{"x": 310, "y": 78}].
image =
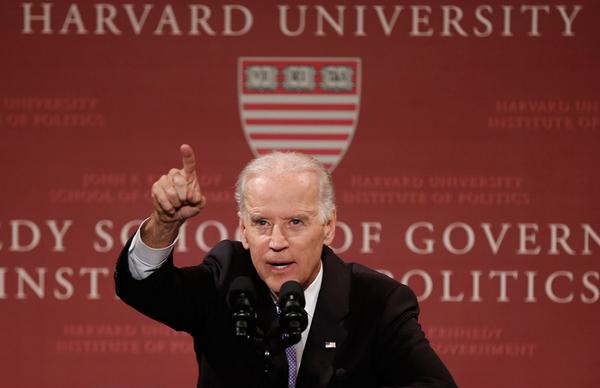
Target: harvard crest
[{"x": 308, "y": 105}]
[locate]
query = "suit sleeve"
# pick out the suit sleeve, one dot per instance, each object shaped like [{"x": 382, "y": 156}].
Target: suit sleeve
[
  {"x": 407, "y": 358},
  {"x": 178, "y": 297}
]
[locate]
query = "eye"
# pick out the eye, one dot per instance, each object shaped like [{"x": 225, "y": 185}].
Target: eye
[
  {"x": 259, "y": 222},
  {"x": 295, "y": 221}
]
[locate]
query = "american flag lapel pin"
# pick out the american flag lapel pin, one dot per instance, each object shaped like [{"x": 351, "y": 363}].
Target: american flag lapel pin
[{"x": 329, "y": 345}]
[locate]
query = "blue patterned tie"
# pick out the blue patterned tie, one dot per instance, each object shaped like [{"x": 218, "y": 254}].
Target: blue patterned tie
[{"x": 290, "y": 354}]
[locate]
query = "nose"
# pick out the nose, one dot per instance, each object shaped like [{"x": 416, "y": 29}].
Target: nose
[{"x": 278, "y": 240}]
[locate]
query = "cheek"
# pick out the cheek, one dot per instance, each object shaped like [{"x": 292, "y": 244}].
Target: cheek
[
  {"x": 254, "y": 262},
  {"x": 311, "y": 253},
  {"x": 257, "y": 251},
  {"x": 257, "y": 263},
  {"x": 251, "y": 240}
]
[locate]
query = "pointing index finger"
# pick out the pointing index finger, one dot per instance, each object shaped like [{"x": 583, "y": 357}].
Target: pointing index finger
[{"x": 189, "y": 160}]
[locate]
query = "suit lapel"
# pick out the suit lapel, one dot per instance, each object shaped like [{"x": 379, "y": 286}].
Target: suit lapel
[{"x": 327, "y": 331}]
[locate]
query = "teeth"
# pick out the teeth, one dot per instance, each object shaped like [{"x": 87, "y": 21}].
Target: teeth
[{"x": 280, "y": 265}]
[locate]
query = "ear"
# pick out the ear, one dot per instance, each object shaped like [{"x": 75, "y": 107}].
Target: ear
[
  {"x": 330, "y": 228},
  {"x": 243, "y": 229}
]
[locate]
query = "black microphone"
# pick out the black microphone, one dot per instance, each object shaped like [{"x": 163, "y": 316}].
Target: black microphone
[
  {"x": 240, "y": 301},
  {"x": 293, "y": 319}
]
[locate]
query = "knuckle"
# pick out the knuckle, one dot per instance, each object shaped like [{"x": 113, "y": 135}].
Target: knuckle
[
  {"x": 163, "y": 180},
  {"x": 166, "y": 205},
  {"x": 179, "y": 180},
  {"x": 171, "y": 191}
]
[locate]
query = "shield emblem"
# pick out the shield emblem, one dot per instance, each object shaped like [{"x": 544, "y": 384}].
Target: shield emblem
[{"x": 307, "y": 105}]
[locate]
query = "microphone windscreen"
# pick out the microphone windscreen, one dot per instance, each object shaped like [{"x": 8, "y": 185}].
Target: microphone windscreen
[
  {"x": 292, "y": 287},
  {"x": 241, "y": 284}
]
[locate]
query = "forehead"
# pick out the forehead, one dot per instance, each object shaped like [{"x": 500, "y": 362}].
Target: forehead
[{"x": 292, "y": 191}]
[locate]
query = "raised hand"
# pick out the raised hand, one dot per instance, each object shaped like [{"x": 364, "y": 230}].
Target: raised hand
[{"x": 176, "y": 197}]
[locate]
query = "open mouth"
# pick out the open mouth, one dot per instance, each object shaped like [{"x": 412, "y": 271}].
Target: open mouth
[{"x": 281, "y": 265}]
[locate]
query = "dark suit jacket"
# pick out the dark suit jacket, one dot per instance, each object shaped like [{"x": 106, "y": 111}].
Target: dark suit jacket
[{"x": 371, "y": 318}]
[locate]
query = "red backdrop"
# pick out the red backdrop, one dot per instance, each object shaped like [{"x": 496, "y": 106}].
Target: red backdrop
[{"x": 465, "y": 162}]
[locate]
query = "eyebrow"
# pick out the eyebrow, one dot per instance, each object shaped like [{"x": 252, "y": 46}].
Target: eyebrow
[
  {"x": 302, "y": 217},
  {"x": 299, "y": 216},
  {"x": 255, "y": 217}
]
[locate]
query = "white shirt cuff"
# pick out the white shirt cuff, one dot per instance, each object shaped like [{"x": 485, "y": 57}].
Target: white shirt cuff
[{"x": 144, "y": 260}]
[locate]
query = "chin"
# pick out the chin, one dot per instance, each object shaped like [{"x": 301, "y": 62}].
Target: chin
[{"x": 275, "y": 285}]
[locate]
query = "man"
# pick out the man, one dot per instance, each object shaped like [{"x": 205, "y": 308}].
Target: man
[{"x": 362, "y": 330}]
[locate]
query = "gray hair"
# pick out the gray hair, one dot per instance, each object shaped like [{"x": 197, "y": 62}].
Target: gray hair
[{"x": 277, "y": 163}]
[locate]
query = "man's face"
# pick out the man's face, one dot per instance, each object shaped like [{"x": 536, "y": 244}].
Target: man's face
[{"x": 283, "y": 229}]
